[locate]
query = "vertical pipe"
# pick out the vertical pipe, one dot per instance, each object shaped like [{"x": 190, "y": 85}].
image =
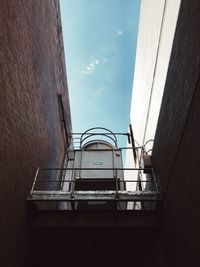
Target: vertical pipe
[
  {"x": 63, "y": 118},
  {"x": 133, "y": 144}
]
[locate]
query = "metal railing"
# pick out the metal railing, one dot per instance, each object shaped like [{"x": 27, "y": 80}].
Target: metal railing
[
  {"x": 136, "y": 187},
  {"x": 50, "y": 186},
  {"x": 97, "y": 134}
]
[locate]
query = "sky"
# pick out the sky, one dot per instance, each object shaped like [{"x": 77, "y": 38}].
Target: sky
[{"x": 100, "y": 38}]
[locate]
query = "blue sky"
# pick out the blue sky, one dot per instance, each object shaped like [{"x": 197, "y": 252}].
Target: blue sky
[{"x": 100, "y": 39}]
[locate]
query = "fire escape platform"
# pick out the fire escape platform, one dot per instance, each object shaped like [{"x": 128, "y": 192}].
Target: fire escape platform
[
  {"x": 95, "y": 195},
  {"x": 93, "y": 190}
]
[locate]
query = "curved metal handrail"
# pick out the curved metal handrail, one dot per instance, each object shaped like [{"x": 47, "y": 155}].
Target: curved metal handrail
[{"x": 88, "y": 134}]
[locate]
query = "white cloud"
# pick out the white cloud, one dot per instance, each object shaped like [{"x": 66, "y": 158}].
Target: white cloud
[
  {"x": 91, "y": 66},
  {"x": 119, "y": 32}
]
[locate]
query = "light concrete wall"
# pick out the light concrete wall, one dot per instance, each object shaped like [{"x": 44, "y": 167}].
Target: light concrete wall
[{"x": 157, "y": 25}]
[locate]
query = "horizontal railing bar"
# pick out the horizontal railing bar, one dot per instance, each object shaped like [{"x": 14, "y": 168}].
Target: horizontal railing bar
[
  {"x": 64, "y": 199},
  {"x": 106, "y": 149},
  {"x": 94, "y": 195},
  {"x": 100, "y": 133},
  {"x": 97, "y": 180},
  {"x": 123, "y": 192},
  {"x": 100, "y": 169}
]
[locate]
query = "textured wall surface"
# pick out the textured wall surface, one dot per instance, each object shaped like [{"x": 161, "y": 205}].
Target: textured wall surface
[
  {"x": 32, "y": 74},
  {"x": 176, "y": 155}
]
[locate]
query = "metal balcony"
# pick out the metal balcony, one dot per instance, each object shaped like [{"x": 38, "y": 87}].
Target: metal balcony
[{"x": 94, "y": 177}]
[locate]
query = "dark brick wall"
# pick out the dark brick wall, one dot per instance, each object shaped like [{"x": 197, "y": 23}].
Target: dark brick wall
[
  {"x": 176, "y": 156},
  {"x": 32, "y": 74}
]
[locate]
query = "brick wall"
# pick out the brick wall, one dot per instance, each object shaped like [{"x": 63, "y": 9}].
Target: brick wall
[
  {"x": 176, "y": 154},
  {"x": 32, "y": 74}
]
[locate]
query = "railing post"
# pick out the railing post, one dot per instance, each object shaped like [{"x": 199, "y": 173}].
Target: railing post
[
  {"x": 117, "y": 187},
  {"x": 72, "y": 194},
  {"x": 154, "y": 179},
  {"x": 34, "y": 181},
  {"x": 117, "y": 190}
]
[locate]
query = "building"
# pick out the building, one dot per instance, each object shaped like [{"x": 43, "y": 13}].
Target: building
[
  {"x": 175, "y": 154},
  {"x": 34, "y": 128},
  {"x": 156, "y": 31},
  {"x": 176, "y": 150},
  {"x": 157, "y": 26},
  {"x": 35, "y": 131}
]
